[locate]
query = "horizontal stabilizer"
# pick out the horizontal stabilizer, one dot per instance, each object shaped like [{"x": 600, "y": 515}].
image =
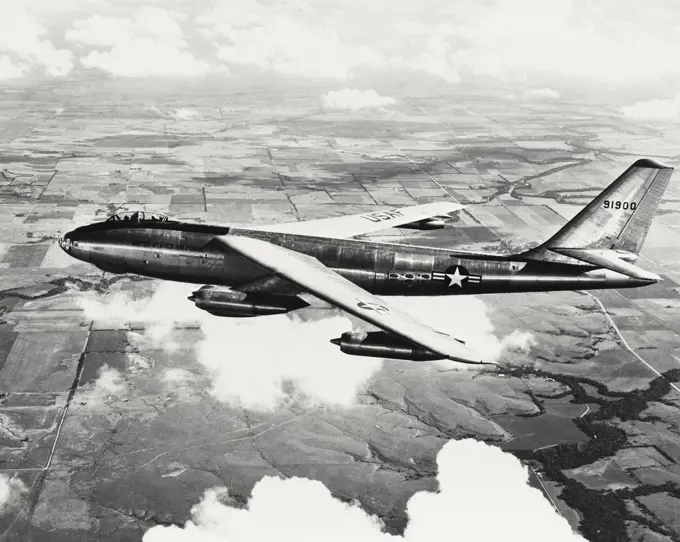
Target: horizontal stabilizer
[{"x": 608, "y": 259}]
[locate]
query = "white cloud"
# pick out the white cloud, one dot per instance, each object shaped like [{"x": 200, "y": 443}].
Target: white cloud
[
  {"x": 476, "y": 482},
  {"x": 177, "y": 376},
  {"x": 100, "y": 30},
  {"x": 245, "y": 369},
  {"x": 150, "y": 44},
  {"x": 520, "y": 39},
  {"x": 654, "y": 109},
  {"x": 541, "y": 94},
  {"x": 353, "y": 99},
  {"x": 184, "y": 113},
  {"x": 467, "y": 318},
  {"x": 147, "y": 21},
  {"x": 159, "y": 312},
  {"x": 109, "y": 383},
  {"x": 520, "y": 341},
  {"x": 10, "y": 70},
  {"x": 523, "y": 40},
  {"x": 159, "y": 23},
  {"x": 12, "y": 489},
  {"x": 436, "y": 59},
  {"x": 142, "y": 57},
  {"x": 21, "y": 35},
  {"x": 265, "y": 354},
  {"x": 288, "y": 45},
  {"x": 297, "y": 360}
]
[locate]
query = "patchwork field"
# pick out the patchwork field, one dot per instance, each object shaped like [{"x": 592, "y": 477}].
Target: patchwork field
[{"x": 591, "y": 406}]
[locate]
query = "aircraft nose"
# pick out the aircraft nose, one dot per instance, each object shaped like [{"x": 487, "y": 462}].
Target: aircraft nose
[
  {"x": 66, "y": 242},
  {"x": 69, "y": 244}
]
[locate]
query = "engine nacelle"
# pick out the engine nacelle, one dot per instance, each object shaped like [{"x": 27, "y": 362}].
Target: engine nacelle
[
  {"x": 434, "y": 223},
  {"x": 378, "y": 344},
  {"x": 234, "y": 304}
]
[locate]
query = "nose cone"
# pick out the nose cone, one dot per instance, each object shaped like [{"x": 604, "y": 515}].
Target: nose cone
[
  {"x": 69, "y": 243},
  {"x": 65, "y": 243}
]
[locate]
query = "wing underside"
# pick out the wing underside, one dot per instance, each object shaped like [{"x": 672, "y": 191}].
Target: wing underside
[{"x": 312, "y": 276}]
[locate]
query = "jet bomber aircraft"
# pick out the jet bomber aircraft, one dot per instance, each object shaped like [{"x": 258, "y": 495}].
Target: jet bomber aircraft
[{"x": 265, "y": 270}]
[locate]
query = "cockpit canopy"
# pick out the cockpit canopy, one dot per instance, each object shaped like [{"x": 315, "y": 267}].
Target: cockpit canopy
[{"x": 138, "y": 216}]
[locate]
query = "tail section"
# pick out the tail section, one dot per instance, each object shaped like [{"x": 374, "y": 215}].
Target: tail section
[{"x": 617, "y": 220}]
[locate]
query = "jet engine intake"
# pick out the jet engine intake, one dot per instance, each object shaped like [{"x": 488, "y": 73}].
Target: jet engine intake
[
  {"x": 379, "y": 344},
  {"x": 234, "y": 304}
]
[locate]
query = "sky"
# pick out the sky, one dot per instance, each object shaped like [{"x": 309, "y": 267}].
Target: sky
[{"x": 599, "y": 44}]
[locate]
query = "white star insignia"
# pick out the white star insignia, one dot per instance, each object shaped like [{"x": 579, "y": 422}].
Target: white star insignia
[{"x": 456, "y": 278}]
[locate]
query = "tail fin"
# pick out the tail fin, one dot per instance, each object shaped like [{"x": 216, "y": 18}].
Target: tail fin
[{"x": 619, "y": 218}]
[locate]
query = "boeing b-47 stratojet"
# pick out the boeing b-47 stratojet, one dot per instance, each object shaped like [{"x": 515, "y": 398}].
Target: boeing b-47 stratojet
[{"x": 264, "y": 270}]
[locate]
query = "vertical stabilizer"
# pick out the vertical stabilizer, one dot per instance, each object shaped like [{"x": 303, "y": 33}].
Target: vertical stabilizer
[{"x": 620, "y": 217}]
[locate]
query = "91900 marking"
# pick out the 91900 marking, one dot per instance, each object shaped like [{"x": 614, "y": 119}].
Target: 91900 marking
[{"x": 617, "y": 204}]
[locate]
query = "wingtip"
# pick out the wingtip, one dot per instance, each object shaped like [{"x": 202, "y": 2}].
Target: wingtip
[
  {"x": 472, "y": 360},
  {"x": 651, "y": 163}
]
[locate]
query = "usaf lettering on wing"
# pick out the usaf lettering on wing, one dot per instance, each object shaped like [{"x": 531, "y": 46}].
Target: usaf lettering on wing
[{"x": 382, "y": 216}]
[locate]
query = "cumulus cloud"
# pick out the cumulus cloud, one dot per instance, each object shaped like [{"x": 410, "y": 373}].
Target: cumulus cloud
[
  {"x": 476, "y": 482},
  {"x": 100, "y": 30},
  {"x": 147, "y": 21},
  {"x": 254, "y": 372},
  {"x": 10, "y": 70},
  {"x": 541, "y": 94},
  {"x": 177, "y": 376},
  {"x": 280, "y": 42},
  {"x": 523, "y": 40},
  {"x": 260, "y": 363},
  {"x": 22, "y": 37},
  {"x": 568, "y": 39},
  {"x": 436, "y": 58},
  {"x": 520, "y": 341},
  {"x": 12, "y": 489},
  {"x": 517, "y": 40},
  {"x": 142, "y": 57},
  {"x": 295, "y": 361},
  {"x": 352, "y": 99},
  {"x": 159, "y": 312},
  {"x": 467, "y": 318},
  {"x": 149, "y": 44},
  {"x": 109, "y": 383},
  {"x": 654, "y": 109},
  {"x": 184, "y": 113}
]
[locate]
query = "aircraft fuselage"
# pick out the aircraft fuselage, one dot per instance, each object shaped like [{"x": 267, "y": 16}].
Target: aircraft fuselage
[{"x": 182, "y": 252}]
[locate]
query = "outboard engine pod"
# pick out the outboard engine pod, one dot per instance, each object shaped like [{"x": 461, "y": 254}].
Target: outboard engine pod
[{"x": 378, "y": 344}]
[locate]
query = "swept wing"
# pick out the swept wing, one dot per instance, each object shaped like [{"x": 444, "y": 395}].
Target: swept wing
[
  {"x": 314, "y": 277},
  {"x": 352, "y": 225}
]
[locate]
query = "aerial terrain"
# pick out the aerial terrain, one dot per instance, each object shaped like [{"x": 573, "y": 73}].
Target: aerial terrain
[{"x": 121, "y": 403}]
